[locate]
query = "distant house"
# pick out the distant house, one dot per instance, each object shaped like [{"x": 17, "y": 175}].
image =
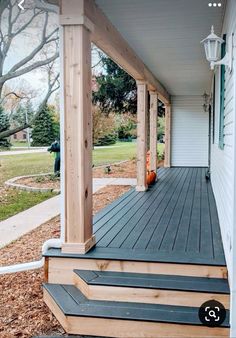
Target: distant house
[{"x": 20, "y": 136}]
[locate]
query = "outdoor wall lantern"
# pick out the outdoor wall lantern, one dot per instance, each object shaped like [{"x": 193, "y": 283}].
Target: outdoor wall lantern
[
  {"x": 206, "y": 102},
  {"x": 212, "y": 45}
]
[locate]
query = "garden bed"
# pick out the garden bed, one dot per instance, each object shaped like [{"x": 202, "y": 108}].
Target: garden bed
[
  {"x": 126, "y": 169},
  {"x": 47, "y": 181},
  {"x": 22, "y": 310}
]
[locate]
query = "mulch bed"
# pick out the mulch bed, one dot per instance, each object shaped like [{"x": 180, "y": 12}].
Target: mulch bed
[
  {"x": 47, "y": 181},
  {"x": 126, "y": 169},
  {"x": 22, "y": 310}
]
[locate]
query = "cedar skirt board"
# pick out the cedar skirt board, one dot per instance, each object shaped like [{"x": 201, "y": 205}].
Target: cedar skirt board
[
  {"x": 129, "y": 328},
  {"x": 141, "y": 295},
  {"x": 60, "y": 270}
]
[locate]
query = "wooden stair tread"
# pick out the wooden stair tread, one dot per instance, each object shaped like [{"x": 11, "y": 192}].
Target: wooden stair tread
[
  {"x": 73, "y": 303},
  {"x": 153, "y": 281}
]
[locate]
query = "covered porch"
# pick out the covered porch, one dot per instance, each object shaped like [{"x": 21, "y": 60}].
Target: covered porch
[
  {"x": 170, "y": 230},
  {"x": 170, "y": 68}
]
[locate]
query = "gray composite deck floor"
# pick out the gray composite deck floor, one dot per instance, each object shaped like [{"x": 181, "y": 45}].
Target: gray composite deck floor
[
  {"x": 174, "y": 221},
  {"x": 176, "y": 218}
]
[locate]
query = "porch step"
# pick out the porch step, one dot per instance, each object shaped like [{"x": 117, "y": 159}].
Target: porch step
[
  {"x": 107, "y": 259},
  {"x": 151, "y": 288},
  {"x": 81, "y": 316}
]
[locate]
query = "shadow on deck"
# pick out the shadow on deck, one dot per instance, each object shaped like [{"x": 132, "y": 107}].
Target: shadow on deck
[{"x": 174, "y": 221}]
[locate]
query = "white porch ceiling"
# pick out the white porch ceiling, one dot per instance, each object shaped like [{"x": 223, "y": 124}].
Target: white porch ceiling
[{"x": 166, "y": 35}]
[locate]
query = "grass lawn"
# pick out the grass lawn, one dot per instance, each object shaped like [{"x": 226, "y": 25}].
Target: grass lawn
[
  {"x": 14, "y": 201},
  {"x": 118, "y": 152},
  {"x": 24, "y": 164},
  {"x": 19, "y": 144}
]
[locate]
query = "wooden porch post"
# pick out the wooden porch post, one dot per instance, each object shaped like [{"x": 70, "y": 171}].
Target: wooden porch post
[
  {"x": 142, "y": 112},
  {"x": 77, "y": 128},
  {"x": 167, "y": 135},
  {"x": 153, "y": 130}
]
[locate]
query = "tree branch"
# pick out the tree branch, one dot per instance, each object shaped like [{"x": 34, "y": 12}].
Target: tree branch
[
  {"x": 29, "y": 68},
  {"x": 45, "y": 40},
  {"x": 40, "y": 4},
  {"x": 21, "y": 29},
  {"x": 10, "y": 132},
  {"x": 16, "y": 95}
]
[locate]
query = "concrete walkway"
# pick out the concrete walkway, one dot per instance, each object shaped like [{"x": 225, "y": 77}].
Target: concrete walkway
[
  {"x": 99, "y": 183},
  {"x": 25, "y": 221},
  {"x": 22, "y": 152}
]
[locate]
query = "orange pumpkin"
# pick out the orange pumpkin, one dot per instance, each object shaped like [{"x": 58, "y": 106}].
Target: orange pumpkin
[{"x": 151, "y": 177}]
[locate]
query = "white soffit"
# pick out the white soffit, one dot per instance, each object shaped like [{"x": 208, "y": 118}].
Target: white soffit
[{"x": 166, "y": 35}]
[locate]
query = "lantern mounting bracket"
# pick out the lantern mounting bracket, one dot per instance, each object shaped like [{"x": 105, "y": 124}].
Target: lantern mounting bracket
[
  {"x": 225, "y": 61},
  {"x": 228, "y": 58}
]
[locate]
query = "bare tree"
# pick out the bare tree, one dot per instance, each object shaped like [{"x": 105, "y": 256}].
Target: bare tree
[
  {"x": 15, "y": 23},
  {"x": 53, "y": 83}
]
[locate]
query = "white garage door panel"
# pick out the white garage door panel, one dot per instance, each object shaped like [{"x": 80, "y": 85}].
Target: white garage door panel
[{"x": 189, "y": 146}]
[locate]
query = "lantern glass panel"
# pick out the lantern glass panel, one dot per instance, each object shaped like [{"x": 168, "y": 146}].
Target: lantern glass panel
[
  {"x": 206, "y": 50},
  {"x": 212, "y": 50}
]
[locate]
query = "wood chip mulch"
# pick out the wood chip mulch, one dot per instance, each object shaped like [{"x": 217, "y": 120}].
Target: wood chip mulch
[
  {"x": 126, "y": 169},
  {"x": 40, "y": 182},
  {"x": 22, "y": 310}
]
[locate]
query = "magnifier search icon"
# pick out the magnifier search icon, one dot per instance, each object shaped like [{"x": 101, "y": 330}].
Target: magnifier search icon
[{"x": 212, "y": 313}]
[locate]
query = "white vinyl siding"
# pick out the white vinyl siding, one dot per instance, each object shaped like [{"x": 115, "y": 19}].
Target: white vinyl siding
[
  {"x": 222, "y": 160},
  {"x": 222, "y": 166},
  {"x": 189, "y": 135}
]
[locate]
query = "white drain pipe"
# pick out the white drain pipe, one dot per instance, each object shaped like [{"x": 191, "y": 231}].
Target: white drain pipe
[{"x": 51, "y": 243}]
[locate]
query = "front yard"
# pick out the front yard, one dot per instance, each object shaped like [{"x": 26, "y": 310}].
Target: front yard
[
  {"x": 15, "y": 201},
  {"x": 22, "y": 310}
]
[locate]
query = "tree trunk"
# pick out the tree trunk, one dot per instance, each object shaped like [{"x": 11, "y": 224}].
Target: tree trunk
[
  {"x": 10, "y": 132},
  {"x": 1, "y": 89}
]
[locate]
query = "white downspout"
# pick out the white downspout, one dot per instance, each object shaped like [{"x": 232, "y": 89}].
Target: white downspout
[{"x": 51, "y": 243}]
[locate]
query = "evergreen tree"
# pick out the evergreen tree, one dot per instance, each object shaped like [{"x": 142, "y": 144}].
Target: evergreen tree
[
  {"x": 56, "y": 121},
  {"x": 43, "y": 133},
  {"x": 4, "y": 126},
  {"x": 116, "y": 89}
]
